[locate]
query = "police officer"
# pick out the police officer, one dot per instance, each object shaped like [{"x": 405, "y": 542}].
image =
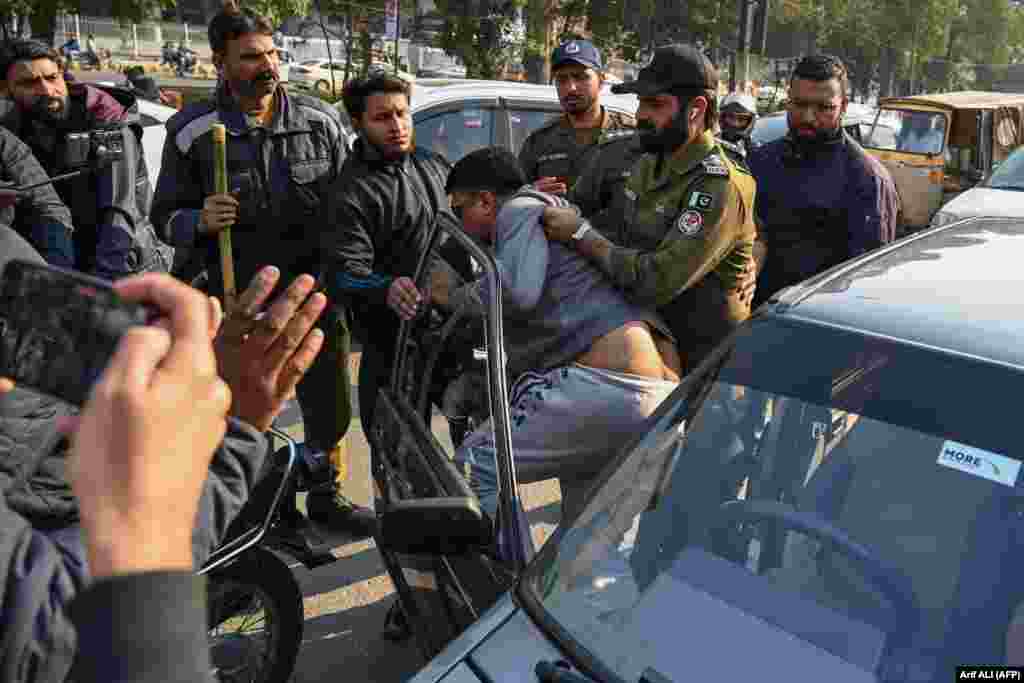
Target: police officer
[
  {"x": 553, "y": 155},
  {"x": 282, "y": 150},
  {"x": 736, "y": 120},
  {"x": 822, "y": 199},
  {"x": 688, "y": 226},
  {"x": 109, "y": 203}
]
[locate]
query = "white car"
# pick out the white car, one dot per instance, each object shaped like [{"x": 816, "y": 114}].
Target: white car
[
  {"x": 999, "y": 195},
  {"x": 153, "y": 115},
  {"x": 454, "y": 120},
  {"x": 315, "y": 74}
]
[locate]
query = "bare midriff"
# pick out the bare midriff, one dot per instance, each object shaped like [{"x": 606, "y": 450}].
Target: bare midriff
[{"x": 636, "y": 349}]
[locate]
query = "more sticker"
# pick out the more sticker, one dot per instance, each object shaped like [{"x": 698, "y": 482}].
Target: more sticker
[{"x": 979, "y": 462}]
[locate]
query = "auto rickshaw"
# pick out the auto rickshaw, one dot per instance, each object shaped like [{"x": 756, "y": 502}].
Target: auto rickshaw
[{"x": 937, "y": 146}]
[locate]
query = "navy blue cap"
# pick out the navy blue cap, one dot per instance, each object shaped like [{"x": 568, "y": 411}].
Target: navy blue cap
[{"x": 578, "y": 51}]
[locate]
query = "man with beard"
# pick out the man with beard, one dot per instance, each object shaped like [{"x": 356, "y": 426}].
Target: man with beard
[
  {"x": 821, "y": 199},
  {"x": 684, "y": 236},
  {"x": 282, "y": 151},
  {"x": 109, "y": 204},
  {"x": 379, "y": 218},
  {"x": 553, "y": 155}
]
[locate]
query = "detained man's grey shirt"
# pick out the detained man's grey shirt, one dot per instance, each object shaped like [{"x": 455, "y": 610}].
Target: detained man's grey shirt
[{"x": 556, "y": 304}]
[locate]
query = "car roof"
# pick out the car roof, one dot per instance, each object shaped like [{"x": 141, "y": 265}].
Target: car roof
[
  {"x": 953, "y": 288},
  {"x": 968, "y": 99},
  {"x": 423, "y": 97}
]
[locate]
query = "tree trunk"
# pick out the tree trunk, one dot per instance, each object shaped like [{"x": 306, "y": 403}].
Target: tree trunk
[{"x": 887, "y": 72}]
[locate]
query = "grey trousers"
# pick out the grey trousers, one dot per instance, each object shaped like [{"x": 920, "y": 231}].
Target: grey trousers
[{"x": 568, "y": 422}]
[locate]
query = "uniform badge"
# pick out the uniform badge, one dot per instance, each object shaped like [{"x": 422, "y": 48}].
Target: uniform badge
[
  {"x": 572, "y": 48},
  {"x": 701, "y": 201},
  {"x": 713, "y": 165},
  {"x": 690, "y": 223}
]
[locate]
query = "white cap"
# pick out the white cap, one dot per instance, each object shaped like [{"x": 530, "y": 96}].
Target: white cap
[{"x": 745, "y": 101}]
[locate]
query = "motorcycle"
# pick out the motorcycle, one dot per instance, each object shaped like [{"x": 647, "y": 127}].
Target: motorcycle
[{"x": 255, "y": 608}]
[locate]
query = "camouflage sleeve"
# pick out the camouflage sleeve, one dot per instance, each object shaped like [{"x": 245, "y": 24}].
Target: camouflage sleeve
[{"x": 694, "y": 244}]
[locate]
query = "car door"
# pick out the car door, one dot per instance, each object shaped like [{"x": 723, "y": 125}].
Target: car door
[{"x": 454, "y": 129}]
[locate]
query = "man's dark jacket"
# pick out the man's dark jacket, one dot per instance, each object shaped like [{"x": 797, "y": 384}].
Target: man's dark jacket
[
  {"x": 110, "y": 206},
  {"x": 42, "y": 560},
  {"x": 279, "y": 175},
  {"x": 39, "y": 216},
  {"x": 817, "y": 206},
  {"x": 379, "y": 217}
]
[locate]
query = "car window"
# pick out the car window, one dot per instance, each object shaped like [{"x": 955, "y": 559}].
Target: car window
[
  {"x": 525, "y": 121},
  {"x": 769, "y": 128},
  {"x": 454, "y": 134},
  {"x": 1010, "y": 173}
]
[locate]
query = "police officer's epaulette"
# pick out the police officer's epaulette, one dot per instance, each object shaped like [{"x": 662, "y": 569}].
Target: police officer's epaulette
[
  {"x": 616, "y": 135},
  {"x": 731, "y": 147},
  {"x": 715, "y": 165}
]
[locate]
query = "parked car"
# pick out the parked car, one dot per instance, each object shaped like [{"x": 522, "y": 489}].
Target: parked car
[
  {"x": 454, "y": 120},
  {"x": 1000, "y": 194},
  {"x": 836, "y": 491},
  {"x": 287, "y": 60},
  {"x": 153, "y": 116},
  {"x": 857, "y": 122},
  {"x": 315, "y": 74}
]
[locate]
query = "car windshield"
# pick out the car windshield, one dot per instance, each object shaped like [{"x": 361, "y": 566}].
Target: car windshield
[
  {"x": 915, "y": 132},
  {"x": 819, "y": 501},
  {"x": 769, "y": 128},
  {"x": 1009, "y": 174}
]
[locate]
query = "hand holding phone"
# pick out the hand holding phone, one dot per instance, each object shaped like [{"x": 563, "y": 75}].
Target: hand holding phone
[{"x": 59, "y": 328}]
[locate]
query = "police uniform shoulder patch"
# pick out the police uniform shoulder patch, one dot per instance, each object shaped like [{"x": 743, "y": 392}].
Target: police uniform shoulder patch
[
  {"x": 617, "y": 134},
  {"x": 715, "y": 165},
  {"x": 701, "y": 201},
  {"x": 690, "y": 223}
]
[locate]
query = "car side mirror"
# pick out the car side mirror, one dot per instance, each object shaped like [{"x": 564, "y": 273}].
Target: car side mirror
[{"x": 434, "y": 526}]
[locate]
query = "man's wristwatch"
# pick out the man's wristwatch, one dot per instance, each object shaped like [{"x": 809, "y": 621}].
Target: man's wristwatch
[{"x": 581, "y": 231}]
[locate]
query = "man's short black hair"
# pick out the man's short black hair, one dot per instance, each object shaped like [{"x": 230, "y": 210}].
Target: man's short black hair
[
  {"x": 24, "y": 50},
  {"x": 359, "y": 90},
  {"x": 491, "y": 169},
  {"x": 232, "y": 23},
  {"x": 822, "y": 68}
]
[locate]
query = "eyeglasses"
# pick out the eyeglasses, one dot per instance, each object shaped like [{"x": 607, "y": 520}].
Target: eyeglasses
[{"x": 817, "y": 108}]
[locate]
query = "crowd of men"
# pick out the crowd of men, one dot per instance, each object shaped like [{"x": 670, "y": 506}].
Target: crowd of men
[{"x": 629, "y": 248}]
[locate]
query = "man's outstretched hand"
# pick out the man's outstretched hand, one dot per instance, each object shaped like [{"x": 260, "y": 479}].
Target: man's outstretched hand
[{"x": 262, "y": 356}]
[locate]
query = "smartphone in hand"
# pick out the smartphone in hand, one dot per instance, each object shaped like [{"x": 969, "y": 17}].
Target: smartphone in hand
[{"x": 60, "y": 328}]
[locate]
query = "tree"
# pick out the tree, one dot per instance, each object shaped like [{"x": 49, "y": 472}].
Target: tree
[{"x": 488, "y": 40}]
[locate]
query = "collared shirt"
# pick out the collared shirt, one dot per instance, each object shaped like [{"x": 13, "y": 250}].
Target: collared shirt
[{"x": 560, "y": 150}]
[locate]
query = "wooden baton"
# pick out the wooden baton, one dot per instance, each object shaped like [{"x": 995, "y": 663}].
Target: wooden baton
[{"x": 220, "y": 182}]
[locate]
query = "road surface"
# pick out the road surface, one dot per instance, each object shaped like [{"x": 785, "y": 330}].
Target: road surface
[{"x": 347, "y": 602}]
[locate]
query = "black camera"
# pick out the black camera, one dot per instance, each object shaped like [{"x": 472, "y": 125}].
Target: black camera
[{"x": 93, "y": 148}]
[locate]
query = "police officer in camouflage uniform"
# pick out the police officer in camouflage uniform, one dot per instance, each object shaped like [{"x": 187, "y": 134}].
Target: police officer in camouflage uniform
[
  {"x": 686, "y": 229},
  {"x": 553, "y": 155}
]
